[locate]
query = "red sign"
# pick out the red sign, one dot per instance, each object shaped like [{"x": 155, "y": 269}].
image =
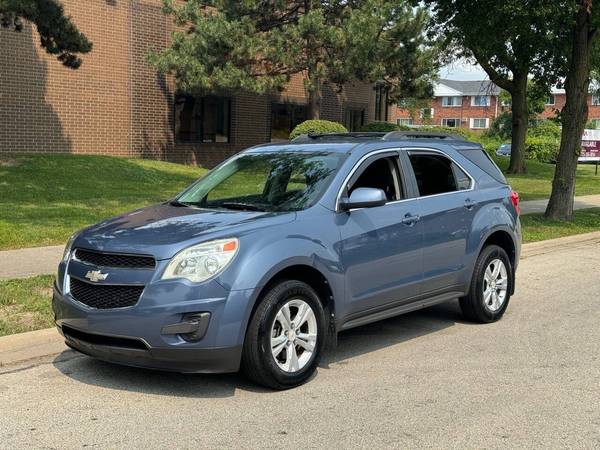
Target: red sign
[{"x": 590, "y": 149}]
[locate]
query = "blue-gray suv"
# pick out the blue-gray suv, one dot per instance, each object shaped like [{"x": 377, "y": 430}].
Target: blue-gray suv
[{"x": 260, "y": 263}]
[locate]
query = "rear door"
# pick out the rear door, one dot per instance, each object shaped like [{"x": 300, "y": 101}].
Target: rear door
[
  {"x": 381, "y": 246},
  {"x": 447, "y": 207}
]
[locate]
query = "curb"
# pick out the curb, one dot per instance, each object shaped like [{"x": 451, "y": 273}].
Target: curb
[{"x": 19, "y": 348}]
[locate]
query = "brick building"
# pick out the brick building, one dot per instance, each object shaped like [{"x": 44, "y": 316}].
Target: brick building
[
  {"x": 456, "y": 104},
  {"x": 474, "y": 105},
  {"x": 116, "y": 104},
  {"x": 556, "y": 102}
]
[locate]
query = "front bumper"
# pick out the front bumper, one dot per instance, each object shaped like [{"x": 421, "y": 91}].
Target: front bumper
[
  {"x": 186, "y": 360},
  {"x": 135, "y": 336}
]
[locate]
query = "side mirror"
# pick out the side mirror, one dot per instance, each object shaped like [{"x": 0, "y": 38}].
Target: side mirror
[{"x": 364, "y": 198}]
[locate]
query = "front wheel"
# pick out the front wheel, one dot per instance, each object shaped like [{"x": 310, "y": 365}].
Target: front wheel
[
  {"x": 285, "y": 336},
  {"x": 490, "y": 289}
]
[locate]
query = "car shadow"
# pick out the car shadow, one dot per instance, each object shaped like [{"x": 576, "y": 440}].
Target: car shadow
[{"x": 351, "y": 343}]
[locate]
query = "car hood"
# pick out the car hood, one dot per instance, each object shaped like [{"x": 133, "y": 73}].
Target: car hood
[{"x": 163, "y": 230}]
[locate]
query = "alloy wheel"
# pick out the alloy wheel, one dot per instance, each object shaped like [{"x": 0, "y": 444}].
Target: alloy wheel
[
  {"x": 294, "y": 335},
  {"x": 495, "y": 285}
]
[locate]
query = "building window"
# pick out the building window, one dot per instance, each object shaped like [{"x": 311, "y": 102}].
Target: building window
[
  {"x": 551, "y": 100},
  {"x": 595, "y": 100},
  {"x": 284, "y": 118},
  {"x": 452, "y": 123},
  {"x": 451, "y": 101},
  {"x": 202, "y": 119},
  {"x": 479, "y": 124},
  {"x": 427, "y": 113},
  {"x": 381, "y": 102},
  {"x": 480, "y": 100},
  {"x": 354, "y": 119},
  {"x": 407, "y": 122}
]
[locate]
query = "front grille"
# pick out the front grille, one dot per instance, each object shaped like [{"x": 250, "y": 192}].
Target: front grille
[
  {"x": 99, "y": 339},
  {"x": 115, "y": 259},
  {"x": 104, "y": 296}
]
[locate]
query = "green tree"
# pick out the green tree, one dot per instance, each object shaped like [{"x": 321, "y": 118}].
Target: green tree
[
  {"x": 510, "y": 40},
  {"x": 257, "y": 45},
  {"x": 58, "y": 34},
  {"x": 577, "y": 43}
]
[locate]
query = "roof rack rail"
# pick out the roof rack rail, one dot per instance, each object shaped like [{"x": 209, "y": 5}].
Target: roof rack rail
[
  {"x": 397, "y": 135},
  {"x": 311, "y": 137}
]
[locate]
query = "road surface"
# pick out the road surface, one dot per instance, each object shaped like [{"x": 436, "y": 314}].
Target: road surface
[{"x": 426, "y": 379}]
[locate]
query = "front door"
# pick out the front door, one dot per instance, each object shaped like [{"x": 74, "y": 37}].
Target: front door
[{"x": 381, "y": 246}]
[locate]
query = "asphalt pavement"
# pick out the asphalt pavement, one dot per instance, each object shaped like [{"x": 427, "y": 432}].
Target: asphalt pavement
[{"x": 426, "y": 379}]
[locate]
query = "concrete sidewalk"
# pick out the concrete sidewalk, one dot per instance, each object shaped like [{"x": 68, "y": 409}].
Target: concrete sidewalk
[
  {"x": 539, "y": 206},
  {"x": 28, "y": 262}
]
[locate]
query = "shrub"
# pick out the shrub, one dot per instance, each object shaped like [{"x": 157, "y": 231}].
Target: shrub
[
  {"x": 380, "y": 127},
  {"x": 541, "y": 149},
  {"x": 547, "y": 129},
  {"x": 501, "y": 126},
  {"x": 317, "y": 127}
]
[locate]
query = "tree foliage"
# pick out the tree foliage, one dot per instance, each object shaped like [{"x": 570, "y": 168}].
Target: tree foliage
[
  {"x": 58, "y": 34},
  {"x": 257, "y": 45},
  {"x": 511, "y": 40}
]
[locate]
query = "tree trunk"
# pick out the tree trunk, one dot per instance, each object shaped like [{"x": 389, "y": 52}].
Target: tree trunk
[
  {"x": 574, "y": 116},
  {"x": 520, "y": 121},
  {"x": 314, "y": 102}
]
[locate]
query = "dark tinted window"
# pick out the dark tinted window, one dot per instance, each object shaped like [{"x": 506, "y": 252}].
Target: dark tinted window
[
  {"x": 434, "y": 174},
  {"x": 354, "y": 119},
  {"x": 284, "y": 118},
  {"x": 480, "y": 158},
  {"x": 463, "y": 182},
  {"x": 202, "y": 119},
  {"x": 381, "y": 174}
]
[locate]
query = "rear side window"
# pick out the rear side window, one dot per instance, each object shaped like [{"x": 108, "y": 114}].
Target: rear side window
[
  {"x": 481, "y": 159},
  {"x": 434, "y": 174}
]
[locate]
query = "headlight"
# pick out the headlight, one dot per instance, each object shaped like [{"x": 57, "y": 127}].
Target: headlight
[
  {"x": 69, "y": 247},
  {"x": 203, "y": 261}
]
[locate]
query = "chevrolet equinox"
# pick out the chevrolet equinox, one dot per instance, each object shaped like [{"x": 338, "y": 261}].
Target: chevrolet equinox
[{"x": 260, "y": 263}]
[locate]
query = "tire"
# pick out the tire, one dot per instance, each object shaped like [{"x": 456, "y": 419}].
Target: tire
[
  {"x": 486, "y": 307},
  {"x": 269, "y": 329}
]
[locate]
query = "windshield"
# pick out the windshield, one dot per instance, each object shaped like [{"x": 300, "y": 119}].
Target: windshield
[{"x": 282, "y": 181}]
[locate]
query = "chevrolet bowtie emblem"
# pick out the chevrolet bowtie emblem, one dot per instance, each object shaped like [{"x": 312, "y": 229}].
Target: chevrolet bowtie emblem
[{"x": 96, "y": 275}]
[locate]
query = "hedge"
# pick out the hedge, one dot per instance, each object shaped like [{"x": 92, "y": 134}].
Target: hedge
[
  {"x": 379, "y": 127},
  {"x": 317, "y": 127}
]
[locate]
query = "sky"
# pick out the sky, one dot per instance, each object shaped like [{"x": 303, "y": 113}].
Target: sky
[{"x": 463, "y": 70}]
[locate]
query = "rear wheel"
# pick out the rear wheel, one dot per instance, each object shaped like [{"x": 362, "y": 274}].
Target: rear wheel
[
  {"x": 490, "y": 289},
  {"x": 285, "y": 336}
]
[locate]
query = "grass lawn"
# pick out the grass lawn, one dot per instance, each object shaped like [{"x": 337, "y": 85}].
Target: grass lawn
[
  {"x": 538, "y": 228},
  {"x": 537, "y": 182},
  {"x": 25, "y": 304},
  {"x": 45, "y": 198}
]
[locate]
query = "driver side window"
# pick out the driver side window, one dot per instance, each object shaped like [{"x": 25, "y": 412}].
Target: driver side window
[{"x": 381, "y": 173}]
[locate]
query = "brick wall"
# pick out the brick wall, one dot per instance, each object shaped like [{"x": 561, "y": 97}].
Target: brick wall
[
  {"x": 463, "y": 113},
  {"x": 116, "y": 104}
]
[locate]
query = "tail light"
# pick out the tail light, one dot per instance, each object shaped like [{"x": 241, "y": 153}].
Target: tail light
[{"x": 514, "y": 198}]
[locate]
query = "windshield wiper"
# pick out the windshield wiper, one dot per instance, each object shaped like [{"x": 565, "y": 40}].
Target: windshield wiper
[
  {"x": 177, "y": 203},
  {"x": 240, "y": 206}
]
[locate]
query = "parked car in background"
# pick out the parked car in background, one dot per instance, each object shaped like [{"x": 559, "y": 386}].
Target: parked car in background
[
  {"x": 503, "y": 150},
  {"x": 263, "y": 260}
]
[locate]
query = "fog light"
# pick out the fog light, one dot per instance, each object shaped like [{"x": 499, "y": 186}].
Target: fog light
[{"x": 192, "y": 327}]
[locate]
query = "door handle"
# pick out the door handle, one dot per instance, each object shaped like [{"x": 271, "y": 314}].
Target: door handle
[
  {"x": 410, "y": 220},
  {"x": 469, "y": 204}
]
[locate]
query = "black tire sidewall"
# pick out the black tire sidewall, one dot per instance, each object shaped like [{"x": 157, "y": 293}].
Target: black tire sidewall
[{"x": 275, "y": 299}]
